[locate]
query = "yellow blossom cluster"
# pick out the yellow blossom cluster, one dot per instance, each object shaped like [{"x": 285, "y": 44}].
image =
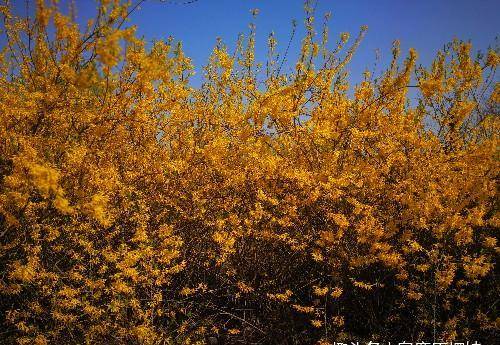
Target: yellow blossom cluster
[{"x": 261, "y": 207}]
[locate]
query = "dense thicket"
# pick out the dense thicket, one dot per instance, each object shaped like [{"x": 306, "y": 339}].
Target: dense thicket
[{"x": 263, "y": 207}]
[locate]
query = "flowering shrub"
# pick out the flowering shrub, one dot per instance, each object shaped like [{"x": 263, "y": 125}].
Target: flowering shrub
[{"x": 263, "y": 206}]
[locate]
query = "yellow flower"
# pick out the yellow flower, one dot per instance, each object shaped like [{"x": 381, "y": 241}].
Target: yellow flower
[{"x": 317, "y": 323}]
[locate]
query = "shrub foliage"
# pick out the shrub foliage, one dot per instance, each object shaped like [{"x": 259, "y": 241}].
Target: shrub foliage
[{"x": 265, "y": 206}]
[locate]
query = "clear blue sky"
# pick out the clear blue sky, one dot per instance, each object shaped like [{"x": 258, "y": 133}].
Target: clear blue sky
[{"x": 422, "y": 24}]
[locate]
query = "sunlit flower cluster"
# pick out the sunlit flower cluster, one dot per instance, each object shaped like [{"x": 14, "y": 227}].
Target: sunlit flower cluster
[{"x": 263, "y": 206}]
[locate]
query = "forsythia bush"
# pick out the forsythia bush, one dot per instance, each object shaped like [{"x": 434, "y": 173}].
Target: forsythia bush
[{"x": 263, "y": 207}]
